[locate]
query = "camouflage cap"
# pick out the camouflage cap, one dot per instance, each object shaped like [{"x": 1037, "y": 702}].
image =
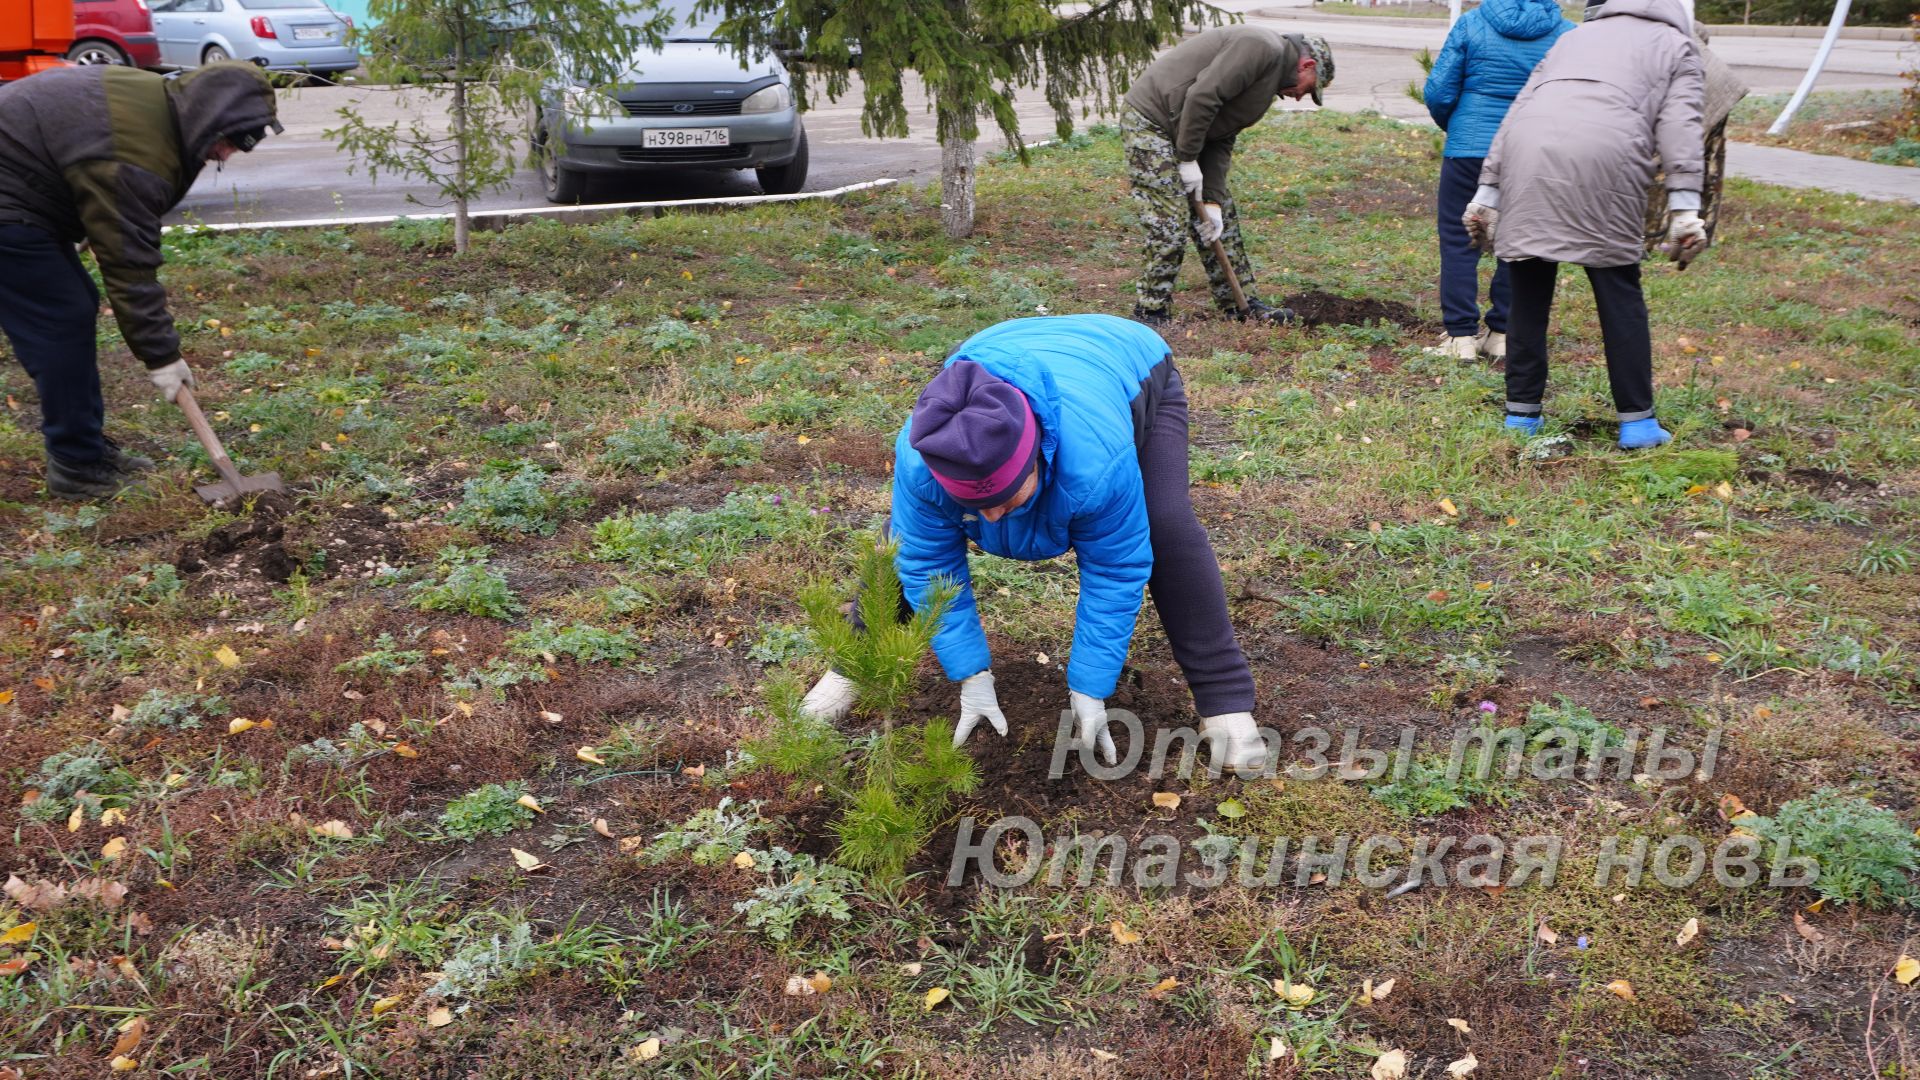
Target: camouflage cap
[{"x": 1322, "y": 54}]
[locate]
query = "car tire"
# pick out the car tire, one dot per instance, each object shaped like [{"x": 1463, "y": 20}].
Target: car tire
[
  {"x": 789, "y": 178},
  {"x": 561, "y": 184},
  {"x": 214, "y": 54},
  {"x": 96, "y": 51}
]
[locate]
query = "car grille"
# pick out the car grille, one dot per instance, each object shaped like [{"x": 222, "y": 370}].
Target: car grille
[
  {"x": 647, "y": 154},
  {"x": 682, "y": 108}
]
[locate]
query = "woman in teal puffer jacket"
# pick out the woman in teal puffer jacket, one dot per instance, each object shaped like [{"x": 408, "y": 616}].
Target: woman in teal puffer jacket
[{"x": 1487, "y": 58}]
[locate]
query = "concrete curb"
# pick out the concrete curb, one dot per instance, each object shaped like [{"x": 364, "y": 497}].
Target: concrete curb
[
  {"x": 495, "y": 220},
  {"x": 1863, "y": 33}
]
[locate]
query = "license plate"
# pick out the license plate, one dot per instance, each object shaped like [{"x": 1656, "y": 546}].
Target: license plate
[
  {"x": 309, "y": 33},
  {"x": 653, "y": 137}
]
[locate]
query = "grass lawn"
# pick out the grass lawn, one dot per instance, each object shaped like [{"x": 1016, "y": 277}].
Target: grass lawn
[
  {"x": 272, "y": 776},
  {"x": 1871, "y": 125}
]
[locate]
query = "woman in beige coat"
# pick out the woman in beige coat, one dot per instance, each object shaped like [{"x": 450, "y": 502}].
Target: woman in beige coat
[{"x": 1566, "y": 181}]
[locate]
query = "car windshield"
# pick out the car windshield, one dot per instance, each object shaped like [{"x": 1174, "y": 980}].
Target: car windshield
[
  {"x": 686, "y": 25},
  {"x": 278, "y": 5}
]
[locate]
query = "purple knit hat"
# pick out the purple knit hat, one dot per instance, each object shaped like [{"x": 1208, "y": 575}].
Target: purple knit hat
[{"x": 976, "y": 433}]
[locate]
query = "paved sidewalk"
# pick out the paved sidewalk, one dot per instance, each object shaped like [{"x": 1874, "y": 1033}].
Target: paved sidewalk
[{"x": 1799, "y": 169}]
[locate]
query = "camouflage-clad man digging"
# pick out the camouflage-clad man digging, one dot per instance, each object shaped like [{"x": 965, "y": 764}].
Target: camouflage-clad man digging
[{"x": 1183, "y": 114}]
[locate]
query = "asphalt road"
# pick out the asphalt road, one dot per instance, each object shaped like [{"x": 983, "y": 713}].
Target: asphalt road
[{"x": 301, "y": 174}]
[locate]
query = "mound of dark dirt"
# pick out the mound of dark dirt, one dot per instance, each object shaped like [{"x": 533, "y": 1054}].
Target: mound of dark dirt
[
  {"x": 1325, "y": 309},
  {"x": 355, "y": 542}
]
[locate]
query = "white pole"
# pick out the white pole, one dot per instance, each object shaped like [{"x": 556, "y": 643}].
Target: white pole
[
  {"x": 1453, "y": 13},
  {"x": 1819, "y": 61}
]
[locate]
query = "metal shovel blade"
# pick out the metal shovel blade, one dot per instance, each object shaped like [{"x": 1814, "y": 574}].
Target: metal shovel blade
[{"x": 242, "y": 487}]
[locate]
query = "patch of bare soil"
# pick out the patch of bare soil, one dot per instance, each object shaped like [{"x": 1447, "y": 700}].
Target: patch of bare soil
[
  {"x": 1325, "y": 309},
  {"x": 261, "y": 548}
]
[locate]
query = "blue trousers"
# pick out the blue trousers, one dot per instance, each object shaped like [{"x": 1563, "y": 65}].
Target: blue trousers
[
  {"x": 1459, "y": 262},
  {"x": 48, "y": 309}
]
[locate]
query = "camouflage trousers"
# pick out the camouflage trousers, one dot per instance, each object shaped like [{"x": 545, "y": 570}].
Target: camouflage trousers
[
  {"x": 1168, "y": 221},
  {"x": 1712, "y": 187}
]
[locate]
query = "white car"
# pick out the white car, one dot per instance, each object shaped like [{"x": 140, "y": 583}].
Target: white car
[
  {"x": 288, "y": 35},
  {"x": 688, "y": 105}
]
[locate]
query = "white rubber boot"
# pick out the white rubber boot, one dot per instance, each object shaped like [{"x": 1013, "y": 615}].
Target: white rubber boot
[
  {"x": 1455, "y": 348},
  {"x": 1235, "y": 742},
  {"x": 831, "y": 699},
  {"x": 1493, "y": 346}
]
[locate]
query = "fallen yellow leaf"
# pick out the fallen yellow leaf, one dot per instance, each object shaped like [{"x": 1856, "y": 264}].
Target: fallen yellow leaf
[
  {"x": 1463, "y": 1066},
  {"x": 77, "y": 818},
  {"x": 1163, "y": 987},
  {"x": 1102, "y": 1055},
  {"x": 1298, "y": 995},
  {"x": 550, "y": 717},
  {"x": 1547, "y": 935},
  {"x": 123, "y": 1063},
  {"x": 387, "y": 1004},
  {"x": 1905, "y": 970},
  {"x": 439, "y": 1016},
  {"x": 1459, "y": 1025},
  {"x": 1166, "y": 800},
  {"x": 226, "y": 656},
  {"x": 1447, "y": 508},
  {"x": 114, "y": 848},
  {"x": 1621, "y": 989},
  {"x": 1688, "y": 932},
  {"x": 1391, "y": 1065},
  {"x": 112, "y": 816},
  {"x": 531, "y": 803},
  {"x": 131, "y": 1033},
  {"x": 1278, "y": 1049},
  {"x": 405, "y": 751},
  {"x": 1370, "y": 993},
  {"x": 334, "y": 829},
  {"x": 239, "y": 724},
  {"x": 600, "y": 826},
  {"x": 1122, "y": 935},
  {"x": 935, "y": 996},
  {"x": 646, "y": 1051},
  {"x": 587, "y": 754},
  {"x": 744, "y": 860},
  {"x": 527, "y": 860},
  {"x": 23, "y": 932},
  {"x": 820, "y": 981}
]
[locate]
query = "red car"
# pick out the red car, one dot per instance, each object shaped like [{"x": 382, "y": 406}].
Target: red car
[{"x": 113, "y": 32}]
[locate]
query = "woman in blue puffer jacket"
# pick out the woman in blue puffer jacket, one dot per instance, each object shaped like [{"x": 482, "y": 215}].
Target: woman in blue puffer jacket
[
  {"x": 1487, "y": 58},
  {"x": 1065, "y": 433}
]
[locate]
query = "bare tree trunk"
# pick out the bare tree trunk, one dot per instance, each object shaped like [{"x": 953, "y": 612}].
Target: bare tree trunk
[
  {"x": 462, "y": 223},
  {"x": 956, "y": 181}
]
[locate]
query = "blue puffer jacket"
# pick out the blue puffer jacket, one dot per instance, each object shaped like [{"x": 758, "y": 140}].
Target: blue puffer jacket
[
  {"x": 1488, "y": 55},
  {"x": 1085, "y": 376}
]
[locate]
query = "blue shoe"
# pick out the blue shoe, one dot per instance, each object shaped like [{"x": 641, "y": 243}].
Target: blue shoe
[
  {"x": 1525, "y": 425},
  {"x": 1643, "y": 434}
]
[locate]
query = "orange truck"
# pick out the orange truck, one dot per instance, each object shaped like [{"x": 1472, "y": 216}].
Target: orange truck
[{"x": 34, "y": 36}]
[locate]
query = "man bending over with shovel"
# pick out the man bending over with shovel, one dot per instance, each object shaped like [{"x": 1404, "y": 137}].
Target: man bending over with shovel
[
  {"x": 1183, "y": 114},
  {"x": 1052, "y": 434},
  {"x": 100, "y": 154}
]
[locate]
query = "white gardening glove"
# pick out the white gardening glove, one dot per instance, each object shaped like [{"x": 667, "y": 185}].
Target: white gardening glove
[
  {"x": 1190, "y": 178},
  {"x": 1090, "y": 725},
  {"x": 831, "y": 699},
  {"x": 171, "y": 378},
  {"x": 1686, "y": 236},
  {"x": 1480, "y": 221},
  {"x": 1234, "y": 742},
  {"x": 978, "y": 702},
  {"x": 1211, "y": 224}
]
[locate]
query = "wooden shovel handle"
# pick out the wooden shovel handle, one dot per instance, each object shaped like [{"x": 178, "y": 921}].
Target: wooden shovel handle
[
  {"x": 221, "y": 462},
  {"x": 1220, "y": 253}
]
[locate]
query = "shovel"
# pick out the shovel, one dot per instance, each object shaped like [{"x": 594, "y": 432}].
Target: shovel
[
  {"x": 1220, "y": 255},
  {"x": 232, "y": 485}
]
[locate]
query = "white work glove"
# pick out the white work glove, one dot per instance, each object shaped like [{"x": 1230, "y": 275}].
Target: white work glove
[
  {"x": 171, "y": 378},
  {"x": 831, "y": 699},
  {"x": 1190, "y": 178},
  {"x": 1211, "y": 224},
  {"x": 1686, "y": 236},
  {"x": 1235, "y": 742},
  {"x": 978, "y": 702},
  {"x": 1090, "y": 725},
  {"x": 1480, "y": 221}
]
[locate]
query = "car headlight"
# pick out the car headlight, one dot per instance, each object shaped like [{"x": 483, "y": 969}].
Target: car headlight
[
  {"x": 767, "y": 99},
  {"x": 587, "y": 103}
]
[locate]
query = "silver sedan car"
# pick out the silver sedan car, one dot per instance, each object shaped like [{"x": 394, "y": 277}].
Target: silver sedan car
[
  {"x": 690, "y": 104},
  {"x": 289, "y": 35}
]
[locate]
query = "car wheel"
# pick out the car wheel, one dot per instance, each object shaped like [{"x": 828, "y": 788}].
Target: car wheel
[
  {"x": 561, "y": 184},
  {"x": 98, "y": 52},
  {"x": 214, "y": 55},
  {"x": 789, "y": 178}
]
